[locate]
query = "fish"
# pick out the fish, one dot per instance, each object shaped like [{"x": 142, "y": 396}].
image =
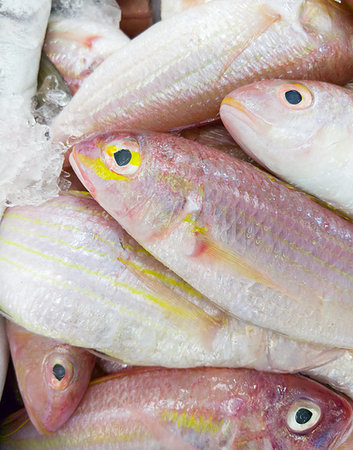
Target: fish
[
  {"x": 258, "y": 249},
  {"x": 4, "y": 355},
  {"x": 78, "y": 40},
  {"x": 299, "y": 130},
  {"x": 196, "y": 408},
  {"x": 52, "y": 377},
  {"x": 228, "y": 43},
  {"x": 87, "y": 283}
]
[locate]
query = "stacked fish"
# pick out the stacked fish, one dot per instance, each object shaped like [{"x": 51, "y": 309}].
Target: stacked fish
[{"x": 198, "y": 282}]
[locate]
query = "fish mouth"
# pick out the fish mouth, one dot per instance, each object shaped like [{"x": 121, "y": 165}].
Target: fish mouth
[
  {"x": 75, "y": 164},
  {"x": 231, "y": 106}
]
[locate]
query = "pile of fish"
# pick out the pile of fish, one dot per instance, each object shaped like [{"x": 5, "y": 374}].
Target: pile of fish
[{"x": 170, "y": 294}]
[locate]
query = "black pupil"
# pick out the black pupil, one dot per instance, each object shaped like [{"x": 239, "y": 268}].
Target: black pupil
[
  {"x": 59, "y": 371},
  {"x": 293, "y": 97},
  {"x": 122, "y": 157},
  {"x": 303, "y": 415}
]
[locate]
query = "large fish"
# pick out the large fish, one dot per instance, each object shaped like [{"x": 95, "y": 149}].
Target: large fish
[
  {"x": 4, "y": 354},
  {"x": 68, "y": 271},
  {"x": 52, "y": 377},
  {"x": 79, "y": 39},
  {"x": 300, "y": 130},
  {"x": 196, "y": 409},
  {"x": 171, "y": 7},
  {"x": 258, "y": 249},
  {"x": 177, "y": 72}
]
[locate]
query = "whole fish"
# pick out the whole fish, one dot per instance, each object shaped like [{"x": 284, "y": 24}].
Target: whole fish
[
  {"x": 52, "y": 377},
  {"x": 196, "y": 409},
  {"x": 301, "y": 131},
  {"x": 4, "y": 354},
  {"x": 86, "y": 282},
  {"x": 167, "y": 78},
  {"x": 258, "y": 249},
  {"x": 79, "y": 40}
]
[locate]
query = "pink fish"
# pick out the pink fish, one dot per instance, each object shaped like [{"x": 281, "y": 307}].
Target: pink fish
[
  {"x": 196, "y": 409},
  {"x": 264, "y": 252},
  {"x": 52, "y": 377},
  {"x": 301, "y": 131},
  {"x": 177, "y": 72}
]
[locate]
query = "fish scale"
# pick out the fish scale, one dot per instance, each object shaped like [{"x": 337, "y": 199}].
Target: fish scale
[
  {"x": 193, "y": 409},
  {"x": 147, "y": 85},
  {"x": 237, "y": 235},
  {"x": 69, "y": 272}
]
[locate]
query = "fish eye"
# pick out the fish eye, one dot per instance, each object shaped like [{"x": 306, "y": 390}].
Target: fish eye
[
  {"x": 59, "y": 371},
  {"x": 295, "y": 96},
  {"x": 303, "y": 416},
  {"x": 122, "y": 156}
]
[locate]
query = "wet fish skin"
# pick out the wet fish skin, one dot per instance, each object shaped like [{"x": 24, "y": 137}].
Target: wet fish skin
[
  {"x": 200, "y": 408},
  {"x": 88, "y": 283},
  {"x": 78, "y": 45},
  {"x": 210, "y": 218},
  {"x": 133, "y": 86},
  {"x": 308, "y": 144},
  {"x": 49, "y": 400}
]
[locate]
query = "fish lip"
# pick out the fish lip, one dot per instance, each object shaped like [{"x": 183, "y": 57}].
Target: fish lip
[
  {"x": 78, "y": 171},
  {"x": 231, "y": 106}
]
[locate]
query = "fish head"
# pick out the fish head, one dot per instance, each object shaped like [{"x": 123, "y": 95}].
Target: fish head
[
  {"x": 52, "y": 377},
  {"x": 290, "y": 125},
  {"x": 141, "y": 179},
  {"x": 301, "y": 413}
]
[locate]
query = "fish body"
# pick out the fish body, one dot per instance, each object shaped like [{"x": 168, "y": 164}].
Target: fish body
[
  {"x": 197, "y": 409},
  {"x": 52, "y": 377},
  {"x": 86, "y": 282},
  {"x": 228, "y": 43},
  {"x": 308, "y": 143},
  {"x": 215, "y": 135},
  {"x": 77, "y": 43},
  {"x": 258, "y": 249},
  {"x": 4, "y": 354}
]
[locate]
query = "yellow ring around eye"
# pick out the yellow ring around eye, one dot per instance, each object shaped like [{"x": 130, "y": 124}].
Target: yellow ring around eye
[
  {"x": 135, "y": 159},
  {"x": 111, "y": 149}
]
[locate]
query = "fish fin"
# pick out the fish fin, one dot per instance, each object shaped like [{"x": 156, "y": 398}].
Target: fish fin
[
  {"x": 179, "y": 309},
  {"x": 232, "y": 260},
  {"x": 265, "y": 18},
  {"x": 13, "y": 423}
]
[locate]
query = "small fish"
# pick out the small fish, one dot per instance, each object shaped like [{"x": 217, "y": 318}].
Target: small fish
[
  {"x": 78, "y": 41},
  {"x": 146, "y": 84},
  {"x": 52, "y": 377},
  {"x": 4, "y": 354},
  {"x": 258, "y": 249},
  {"x": 301, "y": 131},
  {"x": 196, "y": 409},
  {"x": 89, "y": 284}
]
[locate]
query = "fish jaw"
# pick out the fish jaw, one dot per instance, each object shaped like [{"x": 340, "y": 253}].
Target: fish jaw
[
  {"x": 49, "y": 405},
  {"x": 307, "y": 144}
]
